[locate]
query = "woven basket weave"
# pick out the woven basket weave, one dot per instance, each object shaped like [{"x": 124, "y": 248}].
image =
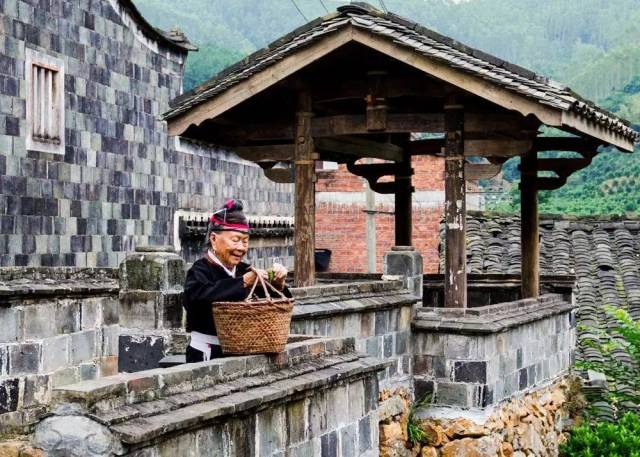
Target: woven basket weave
[{"x": 255, "y": 325}]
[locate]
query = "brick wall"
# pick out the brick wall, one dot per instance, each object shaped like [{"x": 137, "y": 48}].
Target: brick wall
[
  {"x": 341, "y": 217},
  {"x": 121, "y": 177}
]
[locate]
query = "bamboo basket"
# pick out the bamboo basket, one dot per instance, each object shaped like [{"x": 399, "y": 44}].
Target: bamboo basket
[{"x": 255, "y": 325}]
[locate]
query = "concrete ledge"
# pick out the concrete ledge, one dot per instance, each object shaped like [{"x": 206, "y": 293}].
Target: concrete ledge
[{"x": 490, "y": 319}]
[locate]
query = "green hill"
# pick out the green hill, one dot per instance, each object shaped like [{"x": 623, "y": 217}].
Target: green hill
[{"x": 590, "y": 45}]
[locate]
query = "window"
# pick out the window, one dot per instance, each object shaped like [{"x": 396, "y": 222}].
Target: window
[{"x": 45, "y": 102}]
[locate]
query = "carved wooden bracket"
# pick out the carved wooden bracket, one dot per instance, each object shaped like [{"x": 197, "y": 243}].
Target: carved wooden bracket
[{"x": 374, "y": 171}]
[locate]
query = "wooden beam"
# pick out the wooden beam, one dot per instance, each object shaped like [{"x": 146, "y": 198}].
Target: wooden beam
[
  {"x": 258, "y": 82},
  {"x": 577, "y": 144},
  {"x": 284, "y": 175},
  {"x": 403, "y": 202},
  {"x": 358, "y": 147},
  {"x": 497, "y": 147},
  {"x": 530, "y": 226},
  {"x": 546, "y": 183},
  {"x": 475, "y": 171},
  {"x": 474, "y": 84},
  {"x": 356, "y": 124},
  {"x": 392, "y": 87},
  {"x": 304, "y": 234},
  {"x": 455, "y": 284},
  {"x": 266, "y": 153}
]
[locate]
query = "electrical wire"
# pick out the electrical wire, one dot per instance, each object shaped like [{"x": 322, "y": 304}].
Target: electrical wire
[
  {"x": 324, "y": 6},
  {"x": 299, "y": 10},
  {"x": 384, "y": 7}
]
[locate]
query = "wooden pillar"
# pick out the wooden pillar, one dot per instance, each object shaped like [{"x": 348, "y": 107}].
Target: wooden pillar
[
  {"x": 530, "y": 240},
  {"x": 455, "y": 280},
  {"x": 403, "y": 201},
  {"x": 305, "y": 204}
]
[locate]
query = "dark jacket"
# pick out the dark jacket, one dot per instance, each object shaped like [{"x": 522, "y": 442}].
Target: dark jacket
[{"x": 207, "y": 282}]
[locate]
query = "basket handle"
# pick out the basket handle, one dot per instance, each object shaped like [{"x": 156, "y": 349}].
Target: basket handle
[{"x": 264, "y": 285}]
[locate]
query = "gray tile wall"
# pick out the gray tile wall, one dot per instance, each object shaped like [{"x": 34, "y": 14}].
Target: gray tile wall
[{"x": 121, "y": 177}]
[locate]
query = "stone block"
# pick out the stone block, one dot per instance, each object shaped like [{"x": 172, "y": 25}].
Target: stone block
[
  {"x": 356, "y": 400},
  {"x": 349, "y": 441},
  {"x": 55, "y": 353},
  {"x": 83, "y": 346},
  {"x": 387, "y": 346},
  {"x": 271, "y": 430},
  {"x": 75, "y": 435},
  {"x": 317, "y": 414},
  {"x": 430, "y": 344},
  {"x": 374, "y": 346},
  {"x": 108, "y": 366},
  {"x": 381, "y": 322},
  {"x": 9, "y": 395},
  {"x": 367, "y": 324},
  {"x": 474, "y": 372},
  {"x": 40, "y": 321},
  {"x": 88, "y": 371},
  {"x": 110, "y": 336},
  {"x": 170, "y": 310},
  {"x": 37, "y": 391},
  {"x": 337, "y": 400},
  {"x": 329, "y": 444},
  {"x": 140, "y": 352},
  {"x": 364, "y": 435},
  {"x": 370, "y": 394},
  {"x": 153, "y": 271},
  {"x": 455, "y": 394},
  {"x": 138, "y": 309},
  {"x": 306, "y": 449},
  {"x": 67, "y": 317},
  {"x": 401, "y": 340},
  {"x": 297, "y": 423},
  {"x": 11, "y": 329},
  {"x": 210, "y": 441},
  {"x": 205, "y": 374},
  {"x": 461, "y": 347},
  {"x": 176, "y": 380},
  {"x": 110, "y": 310},
  {"x": 91, "y": 313},
  {"x": 423, "y": 388},
  {"x": 25, "y": 358},
  {"x": 64, "y": 376}
]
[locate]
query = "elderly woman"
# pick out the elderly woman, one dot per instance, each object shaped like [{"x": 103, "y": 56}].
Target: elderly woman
[{"x": 220, "y": 275}]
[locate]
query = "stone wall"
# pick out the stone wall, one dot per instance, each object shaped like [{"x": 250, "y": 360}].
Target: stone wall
[
  {"x": 376, "y": 313},
  {"x": 58, "y": 326},
  {"x": 237, "y": 406},
  {"x": 480, "y": 356},
  {"x": 533, "y": 424},
  {"x": 121, "y": 178}
]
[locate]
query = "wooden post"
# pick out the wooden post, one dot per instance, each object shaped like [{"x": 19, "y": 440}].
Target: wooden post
[
  {"x": 529, "y": 226},
  {"x": 370, "y": 199},
  {"x": 403, "y": 201},
  {"x": 305, "y": 205},
  {"x": 455, "y": 284}
]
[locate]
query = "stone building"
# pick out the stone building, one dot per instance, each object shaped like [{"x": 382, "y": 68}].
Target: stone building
[{"x": 87, "y": 171}]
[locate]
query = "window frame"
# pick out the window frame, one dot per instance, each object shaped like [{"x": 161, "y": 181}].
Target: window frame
[{"x": 54, "y": 64}]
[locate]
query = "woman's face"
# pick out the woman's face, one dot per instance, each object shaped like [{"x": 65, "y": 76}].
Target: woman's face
[{"x": 229, "y": 246}]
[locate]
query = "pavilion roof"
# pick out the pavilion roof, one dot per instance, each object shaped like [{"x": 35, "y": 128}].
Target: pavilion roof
[{"x": 408, "y": 34}]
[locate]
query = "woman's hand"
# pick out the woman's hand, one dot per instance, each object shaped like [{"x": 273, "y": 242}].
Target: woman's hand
[
  {"x": 252, "y": 275},
  {"x": 279, "y": 275}
]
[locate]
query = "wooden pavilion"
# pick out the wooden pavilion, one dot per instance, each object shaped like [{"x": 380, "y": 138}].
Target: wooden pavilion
[{"x": 360, "y": 83}]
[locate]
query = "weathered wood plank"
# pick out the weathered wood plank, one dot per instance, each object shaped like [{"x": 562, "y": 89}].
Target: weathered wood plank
[
  {"x": 304, "y": 218},
  {"x": 284, "y": 175},
  {"x": 358, "y": 147},
  {"x": 403, "y": 202},
  {"x": 455, "y": 284},
  {"x": 530, "y": 245},
  {"x": 356, "y": 124},
  {"x": 266, "y": 153},
  {"x": 502, "y": 147},
  {"x": 475, "y": 171}
]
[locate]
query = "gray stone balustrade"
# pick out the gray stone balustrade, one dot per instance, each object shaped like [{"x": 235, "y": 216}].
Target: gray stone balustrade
[
  {"x": 250, "y": 405},
  {"x": 476, "y": 357}
]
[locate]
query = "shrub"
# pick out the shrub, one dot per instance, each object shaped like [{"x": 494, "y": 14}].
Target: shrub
[
  {"x": 620, "y": 360},
  {"x": 605, "y": 439}
]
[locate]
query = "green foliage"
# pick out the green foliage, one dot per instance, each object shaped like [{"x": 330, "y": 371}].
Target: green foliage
[
  {"x": 590, "y": 45},
  {"x": 623, "y": 377},
  {"x": 207, "y": 62},
  {"x": 414, "y": 432},
  {"x": 604, "y": 439}
]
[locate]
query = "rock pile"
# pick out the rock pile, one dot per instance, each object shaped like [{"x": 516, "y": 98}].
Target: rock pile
[{"x": 532, "y": 425}]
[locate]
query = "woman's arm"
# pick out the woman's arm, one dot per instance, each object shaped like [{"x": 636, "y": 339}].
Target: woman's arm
[{"x": 200, "y": 288}]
